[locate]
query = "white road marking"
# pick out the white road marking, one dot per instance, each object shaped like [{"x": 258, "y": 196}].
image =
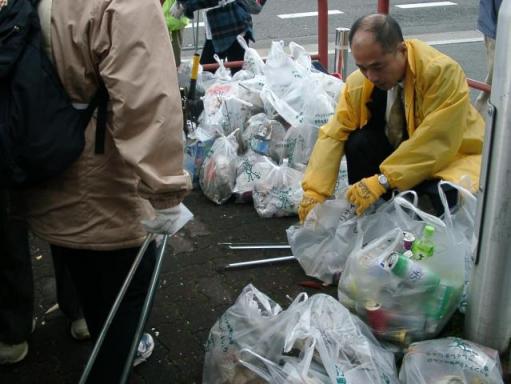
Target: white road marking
[
  {"x": 201, "y": 24},
  {"x": 307, "y": 14},
  {"x": 424, "y": 5}
]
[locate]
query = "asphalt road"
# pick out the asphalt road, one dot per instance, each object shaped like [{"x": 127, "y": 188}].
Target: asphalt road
[{"x": 446, "y": 27}]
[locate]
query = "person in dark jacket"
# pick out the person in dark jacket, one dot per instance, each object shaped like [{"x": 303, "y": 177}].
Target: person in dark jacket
[{"x": 224, "y": 20}]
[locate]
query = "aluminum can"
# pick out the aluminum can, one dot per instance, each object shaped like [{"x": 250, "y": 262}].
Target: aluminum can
[
  {"x": 408, "y": 240},
  {"x": 412, "y": 273},
  {"x": 400, "y": 336},
  {"x": 376, "y": 316}
]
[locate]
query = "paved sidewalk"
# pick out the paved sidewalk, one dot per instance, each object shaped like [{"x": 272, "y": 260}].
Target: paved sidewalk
[{"x": 191, "y": 296}]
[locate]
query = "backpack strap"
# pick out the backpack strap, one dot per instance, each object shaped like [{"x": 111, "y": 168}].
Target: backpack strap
[{"x": 100, "y": 99}]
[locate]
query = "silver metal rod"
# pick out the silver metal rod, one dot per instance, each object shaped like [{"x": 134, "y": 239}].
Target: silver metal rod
[
  {"x": 255, "y": 246},
  {"x": 128, "y": 365},
  {"x": 254, "y": 263},
  {"x": 488, "y": 317},
  {"x": 341, "y": 51},
  {"x": 113, "y": 310}
]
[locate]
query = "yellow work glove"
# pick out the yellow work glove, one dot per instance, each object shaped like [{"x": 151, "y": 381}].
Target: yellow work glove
[
  {"x": 305, "y": 207},
  {"x": 365, "y": 193}
]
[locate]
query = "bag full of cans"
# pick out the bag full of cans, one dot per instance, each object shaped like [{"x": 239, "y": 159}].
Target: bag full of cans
[
  {"x": 450, "y": 361},
  {"x": 407, "y": 282}
]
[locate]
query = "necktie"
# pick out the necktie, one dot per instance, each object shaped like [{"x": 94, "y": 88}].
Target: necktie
[{"x": 396, "y": 124}]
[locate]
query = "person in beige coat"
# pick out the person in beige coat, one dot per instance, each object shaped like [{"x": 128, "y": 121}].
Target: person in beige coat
[{"x": 91, "y": 214}]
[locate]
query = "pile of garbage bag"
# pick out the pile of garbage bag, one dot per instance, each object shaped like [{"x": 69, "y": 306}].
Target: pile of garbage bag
[
  {"x": 315, "y": 340},
  {"x": 273, "y": 109}
]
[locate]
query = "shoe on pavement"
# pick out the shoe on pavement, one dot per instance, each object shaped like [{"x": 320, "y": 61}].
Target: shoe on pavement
[
  {"x": 79, "y": 330},
  {"x": 144, "y": 350},
  {"x": 10, "y": 354}
]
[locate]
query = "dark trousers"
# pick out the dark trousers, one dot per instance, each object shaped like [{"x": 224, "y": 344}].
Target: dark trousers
[
  {"x": 16, "y": 281},
  {"x": 234, "y": 53},
  {"x": 98, "y": 277},
  {"x": 368, "y": 147}
]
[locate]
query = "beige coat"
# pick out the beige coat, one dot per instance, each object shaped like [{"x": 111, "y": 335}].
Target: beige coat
[{"x": 99, "y": 201}]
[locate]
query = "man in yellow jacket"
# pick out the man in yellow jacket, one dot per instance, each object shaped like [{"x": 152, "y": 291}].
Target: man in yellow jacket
[{"x": 404, "y": 120}]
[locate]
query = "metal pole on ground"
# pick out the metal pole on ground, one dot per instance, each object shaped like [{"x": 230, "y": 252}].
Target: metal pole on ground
[{"x": 488, "y": 317}]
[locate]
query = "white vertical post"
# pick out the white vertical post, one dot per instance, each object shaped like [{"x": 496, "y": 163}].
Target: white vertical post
[{"x": 488, "y": 318}]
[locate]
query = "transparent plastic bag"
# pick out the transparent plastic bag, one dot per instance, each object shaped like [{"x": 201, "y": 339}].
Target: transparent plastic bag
[
  {"x": 324, "y": 241},
  {"x": 324, "y": 343},
  {"x": 402, "y": 294},
  {"x": 218, "y": 171},
  {"x": 252, "y": 321},
  {"x": 279, "y": 193},
  {"x": 462, "y": 220},
  {"x": 450, "y": 361}
]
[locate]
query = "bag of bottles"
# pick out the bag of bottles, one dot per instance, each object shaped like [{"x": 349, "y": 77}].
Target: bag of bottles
[
  {"x": 279, "y": 193},
  {"x": 406, "y": 275},
  {"x": 450, "y": 361}
]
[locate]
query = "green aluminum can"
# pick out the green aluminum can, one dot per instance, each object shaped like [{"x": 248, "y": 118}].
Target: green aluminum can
[{"x": 412, "y": 273}]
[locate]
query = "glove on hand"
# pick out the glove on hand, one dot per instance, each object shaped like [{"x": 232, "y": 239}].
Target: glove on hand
[
  {"x": 177, "y": 10},
  {"x": 305, "y": 207},
  {"x": 168, "y": 221},
  {"x": 364, "y": 193}
]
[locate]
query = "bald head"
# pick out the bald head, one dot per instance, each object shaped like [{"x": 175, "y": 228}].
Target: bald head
[{"x": 382, "y": 28}]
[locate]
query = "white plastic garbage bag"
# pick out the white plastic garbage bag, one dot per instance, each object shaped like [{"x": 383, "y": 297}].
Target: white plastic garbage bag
[
  {"x": 324, "y": 343},
  {"x": 279, "y": 193},
  {"x": 250, "y": 321},
  {"x": 315, "y": 340},
  {"x": 218, "y": 171},
  {"x": 251, "y": 168},
  {"x": 324, "y": 241},
  {"x": 450, "y": 361}
]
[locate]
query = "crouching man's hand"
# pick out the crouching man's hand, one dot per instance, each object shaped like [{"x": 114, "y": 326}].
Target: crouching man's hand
[{"x": 365, "y": 193}]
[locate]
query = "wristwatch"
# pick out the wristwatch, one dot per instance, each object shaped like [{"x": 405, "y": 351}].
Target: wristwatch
[{"x": 382, "y": 179}]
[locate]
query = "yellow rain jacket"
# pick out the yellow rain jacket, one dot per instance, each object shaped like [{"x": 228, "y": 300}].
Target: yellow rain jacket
[{"x": 445, "y": 131}]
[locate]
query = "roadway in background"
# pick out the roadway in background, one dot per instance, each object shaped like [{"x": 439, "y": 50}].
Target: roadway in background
[{"x": 450, "y": 26}]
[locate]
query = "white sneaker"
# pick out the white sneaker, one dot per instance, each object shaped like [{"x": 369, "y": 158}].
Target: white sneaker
[
  {"x": 79, "y": 330},
  {"x": 144, "y": 350},
  {"x": 10, "y": 354}
]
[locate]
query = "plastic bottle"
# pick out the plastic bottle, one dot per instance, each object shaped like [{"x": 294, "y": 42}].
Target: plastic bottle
[{"x": 424, "y": 247}]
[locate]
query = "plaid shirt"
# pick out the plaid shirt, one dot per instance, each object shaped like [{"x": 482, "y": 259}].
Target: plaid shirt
[{"x": 226, "y": 22}]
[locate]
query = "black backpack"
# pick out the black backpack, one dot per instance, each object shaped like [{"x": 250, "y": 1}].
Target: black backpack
[{"x": 41, "y": 133}]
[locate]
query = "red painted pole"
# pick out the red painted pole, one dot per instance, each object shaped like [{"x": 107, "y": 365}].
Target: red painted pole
[
  {"x": 323, "y": 33},
  {"x": 383, "y": 6}
]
